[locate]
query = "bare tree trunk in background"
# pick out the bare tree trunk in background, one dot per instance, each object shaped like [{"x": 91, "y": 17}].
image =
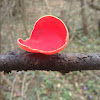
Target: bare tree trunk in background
[
  {"x": 2, "y": 97},
  {"x": 0, "y": 22},
  {"x": 95, "y": 7},
  {"x": 19, "y": 8},
  {"x": 84, "y": 18},
  {"x": 63, "y": 17},
  {"x": 16, "y": 7},
  {"x": 99, "y": 27},
  {"x": 0, "y": 32},
  {"x": 23, "y": 15},
  {"x": 35, "y": 5}
]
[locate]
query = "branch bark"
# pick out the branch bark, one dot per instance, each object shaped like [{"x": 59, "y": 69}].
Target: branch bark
[{"x": 22, "y": 60}]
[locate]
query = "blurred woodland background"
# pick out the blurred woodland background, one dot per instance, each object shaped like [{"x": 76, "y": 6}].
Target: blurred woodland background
[{"x": 17, "y": 18}]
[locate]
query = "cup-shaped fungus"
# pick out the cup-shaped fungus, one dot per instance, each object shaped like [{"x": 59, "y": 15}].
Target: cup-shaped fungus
[{"x": 49, "y": 36}]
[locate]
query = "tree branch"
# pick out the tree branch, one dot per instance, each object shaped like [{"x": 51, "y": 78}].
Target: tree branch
[
  {"x": 22, "y": 60},
  {"x": 94, "y": 6}
]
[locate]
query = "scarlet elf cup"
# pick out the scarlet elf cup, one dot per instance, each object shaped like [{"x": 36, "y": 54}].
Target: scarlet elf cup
[{"x": 49, "y": 36}]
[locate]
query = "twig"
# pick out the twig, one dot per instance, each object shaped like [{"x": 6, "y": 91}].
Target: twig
[
  {"x": 95, "y": 76},
  {"x": 75, "y": 11},
  {"x": 35, "y": 84},
  {"x": 10, "y": 83},
  {"x": 23, "y": 84},
  {"x": 13, "y": 85},
  {"x": 93, "y": 6}
]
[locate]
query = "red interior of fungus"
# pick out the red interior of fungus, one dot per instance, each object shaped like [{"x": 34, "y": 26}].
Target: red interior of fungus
[{"x": 48, "y": 36}]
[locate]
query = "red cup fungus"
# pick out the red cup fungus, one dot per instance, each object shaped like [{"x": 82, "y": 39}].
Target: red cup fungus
[{"x": 49, "y": 36}]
